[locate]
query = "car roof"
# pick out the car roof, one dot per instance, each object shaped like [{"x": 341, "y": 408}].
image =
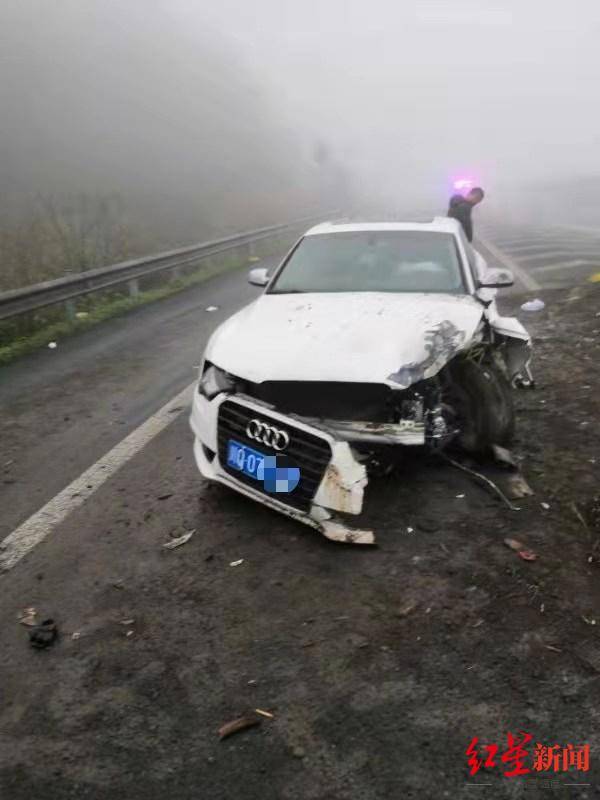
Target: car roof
[{"x": 436, "y": 225}]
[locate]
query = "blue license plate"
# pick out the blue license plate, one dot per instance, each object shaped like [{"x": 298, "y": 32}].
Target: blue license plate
[{"x": 245, "y": 459}]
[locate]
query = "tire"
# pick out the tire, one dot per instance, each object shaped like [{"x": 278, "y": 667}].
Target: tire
[{"x": 481, "y": 399}]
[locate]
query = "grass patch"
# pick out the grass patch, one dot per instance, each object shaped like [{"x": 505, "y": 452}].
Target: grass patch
[{"x": 109, "y": 307}]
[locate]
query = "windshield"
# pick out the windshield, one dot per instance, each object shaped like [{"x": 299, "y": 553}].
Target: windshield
[{"x": 373, "y": 261}]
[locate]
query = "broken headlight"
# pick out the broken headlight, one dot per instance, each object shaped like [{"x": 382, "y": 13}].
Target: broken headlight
[{"x": 214, "y": 381}]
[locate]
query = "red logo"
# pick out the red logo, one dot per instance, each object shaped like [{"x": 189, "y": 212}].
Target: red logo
[{"x": 516, "y": 758}]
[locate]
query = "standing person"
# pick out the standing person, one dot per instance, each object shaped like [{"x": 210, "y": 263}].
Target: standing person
[{"x": 461, "y": 207}]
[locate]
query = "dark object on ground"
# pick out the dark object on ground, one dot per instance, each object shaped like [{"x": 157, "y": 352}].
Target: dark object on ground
[
  {"x": 43, "y": 635},
  {"x": 237, "y": 725}
]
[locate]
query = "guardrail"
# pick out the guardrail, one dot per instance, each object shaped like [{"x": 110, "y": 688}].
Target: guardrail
[{"x": 65, "y": 290}]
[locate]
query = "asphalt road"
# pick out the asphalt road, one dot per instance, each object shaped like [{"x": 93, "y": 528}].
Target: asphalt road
[
  {"x": 554, "y": 257},
  {"x": 378, "y": 665}
]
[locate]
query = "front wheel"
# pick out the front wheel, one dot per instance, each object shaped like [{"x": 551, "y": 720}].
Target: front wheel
[{"x": 479, "y": 399}]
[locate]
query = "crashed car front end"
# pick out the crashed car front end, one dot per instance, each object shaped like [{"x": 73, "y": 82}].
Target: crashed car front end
[
  {"x": 338, "y": 433},
  {"x": 332, "y": 479}
]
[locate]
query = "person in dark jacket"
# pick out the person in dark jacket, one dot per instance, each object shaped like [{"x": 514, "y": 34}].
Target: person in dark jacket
[{"x": 462, "y": 206}]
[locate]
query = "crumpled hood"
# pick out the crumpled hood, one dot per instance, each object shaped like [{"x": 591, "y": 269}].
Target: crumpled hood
[{"x": 365, "y": 337}]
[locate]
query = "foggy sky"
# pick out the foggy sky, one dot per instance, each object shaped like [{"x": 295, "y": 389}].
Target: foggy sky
[
  {"x": 416, "y": 91},
  {"x": 215, "y": 108}
]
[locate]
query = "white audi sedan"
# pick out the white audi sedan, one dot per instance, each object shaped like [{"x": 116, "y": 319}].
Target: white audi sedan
[{"x": 367, "y": 339}]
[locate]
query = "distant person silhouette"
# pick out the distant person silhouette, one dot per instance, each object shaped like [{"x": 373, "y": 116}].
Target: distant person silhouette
[{"x": 461, "y": 207}]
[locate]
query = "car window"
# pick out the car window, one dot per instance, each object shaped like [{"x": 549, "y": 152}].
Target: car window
[{"x": 373, "y": 261}]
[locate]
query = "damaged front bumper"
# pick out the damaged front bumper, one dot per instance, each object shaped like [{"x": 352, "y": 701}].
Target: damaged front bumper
[{"x": 340, "y": 489}]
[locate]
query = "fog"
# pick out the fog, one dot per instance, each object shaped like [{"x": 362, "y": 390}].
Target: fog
[
  {"x": 207, "y": 117},
  {"x": 414, "y": 93}
]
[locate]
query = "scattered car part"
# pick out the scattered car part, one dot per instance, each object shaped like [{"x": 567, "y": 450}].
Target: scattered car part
[
  {"x": 484, "y": 479},
  {"x": 533, "y": 305},
  {"x": 28, "y": 617},
  {"x": 518, "y": 486},
  {"x": 179, "y": 541}
]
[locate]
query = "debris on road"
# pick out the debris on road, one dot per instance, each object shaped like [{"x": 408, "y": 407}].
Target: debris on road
[
  {"x": 27, "y": 617},
  {"x": 236, "y": 563},
  {"x": 504, "y": 456},
  {"x": 76, "y": 635},
  {"x": 533, "y": 305},
  {"x": 518, "y": 487},
  {"x": 212, "y": 308},
  {"x": 587, "y": 620},
  {"x": 483, "y": 478},
  {"x": 52, "y": 345},
  {"x": 579, "y": 516},
  {"x": 82, "y": 314},
  {"x": 240, "y": 724},
  {"x": 165, "y": 496},
  {"x": 545, "y": 506},
  {"x": 520, "y": 549},
  {"x": 43, "y": 635},
  {"x": 264, "y": 713},
  {"x": 128, "y": 622},
  {"x": 179, "y": 541},
  {"x": 514, "y": 544},
  {"x": 528, "y": 555},
  {"x": 406, "y": 610}
]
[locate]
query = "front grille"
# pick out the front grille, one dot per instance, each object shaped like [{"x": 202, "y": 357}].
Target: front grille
[{"x": 309, "y": 452}]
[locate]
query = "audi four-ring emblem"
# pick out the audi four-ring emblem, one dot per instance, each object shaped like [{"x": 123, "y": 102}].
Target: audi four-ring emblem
[{"x": 267, "y": 434}]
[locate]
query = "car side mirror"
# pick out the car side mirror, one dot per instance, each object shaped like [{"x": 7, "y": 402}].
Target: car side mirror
[
  {"x": 259, "y": 276},
  {"x": 495, "y": 278}
]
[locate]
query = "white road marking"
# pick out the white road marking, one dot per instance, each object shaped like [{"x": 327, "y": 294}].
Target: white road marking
[
  {"x": 564, "y": 265},
  {"x": 35, "y": 529},
  {"x": 530, "y": 241},
  {"x": 527, "y": 280},
  {"x": 527, "y": 248},
  {"x": 582, "y": 229},
  {"x": 547, "y": 255}
]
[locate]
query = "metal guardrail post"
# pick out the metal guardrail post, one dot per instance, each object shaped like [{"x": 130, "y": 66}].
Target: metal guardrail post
[
  {"x": 70, "y": 310},
  {"x": 134, "y": 287}
]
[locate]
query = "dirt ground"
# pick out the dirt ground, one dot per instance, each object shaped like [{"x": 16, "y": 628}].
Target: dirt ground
[{"x": 379, "y": 665}]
